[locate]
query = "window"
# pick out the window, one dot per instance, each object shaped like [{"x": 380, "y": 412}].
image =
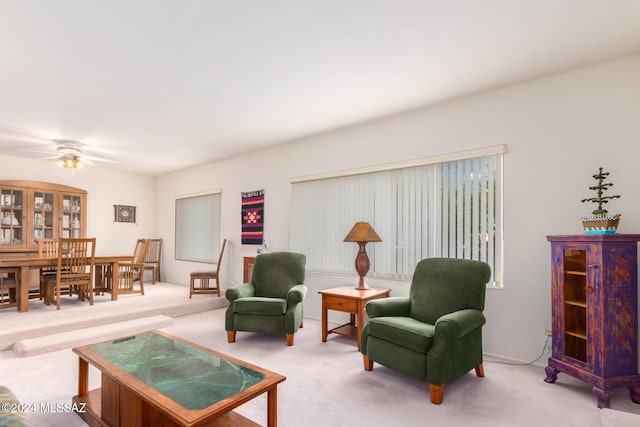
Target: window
[
  {"x": 198, "y": 227},
  {"x": 449, "y": 206}
]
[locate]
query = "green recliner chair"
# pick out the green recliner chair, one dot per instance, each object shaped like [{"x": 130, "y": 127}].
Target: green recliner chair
[
  {"x": 272, "y": 301},
  {"x": 434, "y": 334}
]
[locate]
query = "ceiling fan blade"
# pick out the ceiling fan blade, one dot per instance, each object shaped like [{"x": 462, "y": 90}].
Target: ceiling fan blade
[
  {"x": 43, "y": 149},
  {"x": 20, "y": 138},
  {"x": 86, "y": 161},
  {"x": 98, "y": 159}
]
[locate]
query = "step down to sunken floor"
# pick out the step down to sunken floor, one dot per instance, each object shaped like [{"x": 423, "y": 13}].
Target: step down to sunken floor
[{"x": 78, "y": 337}]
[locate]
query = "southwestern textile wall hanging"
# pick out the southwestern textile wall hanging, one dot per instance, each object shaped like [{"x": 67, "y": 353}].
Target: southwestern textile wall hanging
[
  {"x": 123, "y": 213},
  {"x": 253, "y": 217}
]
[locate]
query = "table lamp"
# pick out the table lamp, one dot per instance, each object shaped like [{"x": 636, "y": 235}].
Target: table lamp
[{"x": 362, "y": 232}]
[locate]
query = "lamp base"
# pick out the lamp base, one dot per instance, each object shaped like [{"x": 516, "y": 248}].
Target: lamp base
[{"x": 362, "y": 266}]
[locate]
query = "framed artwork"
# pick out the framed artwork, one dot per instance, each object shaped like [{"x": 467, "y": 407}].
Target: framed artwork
[
  {"x": 253, "y": 217},
  {"x": 123, "y": 213}
]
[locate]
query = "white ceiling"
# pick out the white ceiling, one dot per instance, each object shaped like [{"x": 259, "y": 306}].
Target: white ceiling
[{"x": 160, "y": 85}]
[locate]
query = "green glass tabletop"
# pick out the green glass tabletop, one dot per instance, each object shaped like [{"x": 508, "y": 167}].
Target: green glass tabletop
[{"x": 191, "y": 377}]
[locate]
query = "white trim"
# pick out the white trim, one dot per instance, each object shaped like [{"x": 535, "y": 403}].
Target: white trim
[
  {"x": 202, "y": 193},
  {"x": 442, "y": 158}
]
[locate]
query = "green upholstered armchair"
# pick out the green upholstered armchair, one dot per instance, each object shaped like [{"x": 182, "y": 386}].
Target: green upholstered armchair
[
  {"x": 434, "y": 334},
  {"x": 272, "y": 301}
]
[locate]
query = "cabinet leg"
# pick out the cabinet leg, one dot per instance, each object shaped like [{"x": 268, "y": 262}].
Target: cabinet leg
[
  {"x": 634, "y": 394},
  {"x": 603, "y": 397},
  {"x": 552, "y": 375}
]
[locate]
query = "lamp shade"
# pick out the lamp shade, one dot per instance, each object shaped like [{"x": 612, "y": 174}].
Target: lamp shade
[{"x": 362, "y": 232}]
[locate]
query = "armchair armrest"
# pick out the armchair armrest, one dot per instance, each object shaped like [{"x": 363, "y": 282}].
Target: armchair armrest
[
  {"x": 457, "y": 324},
  {"x": 296, "y": 294},
  {"x": 392, "y": 306},
  {"x": 240, "y": 291}
]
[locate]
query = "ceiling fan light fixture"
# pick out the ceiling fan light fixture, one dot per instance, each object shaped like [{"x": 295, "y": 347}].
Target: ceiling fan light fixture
[{"x": 70, "y": 162}]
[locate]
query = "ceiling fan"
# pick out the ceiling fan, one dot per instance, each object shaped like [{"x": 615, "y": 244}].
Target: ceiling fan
[{"x": 70, "y": 154}]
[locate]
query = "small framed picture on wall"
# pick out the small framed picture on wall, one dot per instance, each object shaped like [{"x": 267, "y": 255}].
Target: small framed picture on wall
[{"x": 124, "y": 213}]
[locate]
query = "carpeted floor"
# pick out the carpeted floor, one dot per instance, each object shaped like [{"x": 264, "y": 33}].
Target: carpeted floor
[
  {"x": 326, "y": 385},
  {"x": 44, "y": 320}
]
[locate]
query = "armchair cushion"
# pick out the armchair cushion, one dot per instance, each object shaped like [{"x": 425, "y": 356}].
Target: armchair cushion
[
  {"x": 274, "y": 274},
  {"x": 403, "y": 331},
  {"x": 452, "y": 287},
  {"x": 260, "y": 305}
]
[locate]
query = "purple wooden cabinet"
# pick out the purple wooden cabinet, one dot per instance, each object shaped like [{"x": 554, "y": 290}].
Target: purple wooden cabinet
[{"x": 595, "y": 312}]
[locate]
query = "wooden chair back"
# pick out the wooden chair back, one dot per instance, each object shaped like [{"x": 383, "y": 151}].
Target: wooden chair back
[
  {"x": 75, "y": 268},
  {"x": 47, "y": 248},
  {"x": 140, "y": 251},
  {"x": 224, "y": 243},
  {"x": 152, "y": 262},
  {"x": 154, "y": 251}
]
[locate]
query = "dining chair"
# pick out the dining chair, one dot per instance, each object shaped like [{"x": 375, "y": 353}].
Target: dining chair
[
  {"x": 132, "y": 271},
  {"x": 139, "y": 257},
  {"x": 152, "y": 261},
  {"x": 203, "y": 277},
  {"x": 47, "y": 248},
  {"x": 74, "y": 270},
  {"x": 9, "y": 278}
]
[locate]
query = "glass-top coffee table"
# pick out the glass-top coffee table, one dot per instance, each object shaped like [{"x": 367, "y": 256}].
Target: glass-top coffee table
[{"x": 158, "y": 379}]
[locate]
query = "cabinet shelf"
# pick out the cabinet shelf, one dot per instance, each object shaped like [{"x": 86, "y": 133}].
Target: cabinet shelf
[
  {"x": 576, "y": 303},
  {"x": 577, "y": 334},
  {"x": 575, "y": 273}
]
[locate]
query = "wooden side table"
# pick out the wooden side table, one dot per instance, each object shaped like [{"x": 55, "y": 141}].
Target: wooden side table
[
  {"x": 248, "y": 266},
  {"x": 350, "y": 300}
]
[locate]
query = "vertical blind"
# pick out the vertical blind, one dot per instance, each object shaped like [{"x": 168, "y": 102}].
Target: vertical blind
[
  {"x": 198, "y": 228},
  {"x": 445, "y": 209}
]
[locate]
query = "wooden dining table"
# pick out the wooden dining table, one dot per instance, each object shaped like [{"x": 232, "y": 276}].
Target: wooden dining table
[{"x": 30, "y": 262}]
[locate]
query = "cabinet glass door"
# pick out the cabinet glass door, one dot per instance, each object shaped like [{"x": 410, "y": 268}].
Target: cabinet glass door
[
  {"x": 43, "y": 223},
  {"x": 71, "y": 222},
  {"x": 11, "y": 231}
]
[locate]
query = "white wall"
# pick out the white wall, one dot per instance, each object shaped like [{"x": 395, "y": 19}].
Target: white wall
[
  {"x": 558, "y": 131},
  {"x": 104, "y": 188}
]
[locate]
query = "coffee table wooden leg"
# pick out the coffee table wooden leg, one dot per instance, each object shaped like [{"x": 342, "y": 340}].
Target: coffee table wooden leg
[
  {"x": 272, "y": 407},
  {"x": 83, "y": 377}
]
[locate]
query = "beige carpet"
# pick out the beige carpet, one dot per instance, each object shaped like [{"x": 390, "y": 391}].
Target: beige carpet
[
  {"x": 44, "y": 320},
  {"x": 326, "y": 385}
]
